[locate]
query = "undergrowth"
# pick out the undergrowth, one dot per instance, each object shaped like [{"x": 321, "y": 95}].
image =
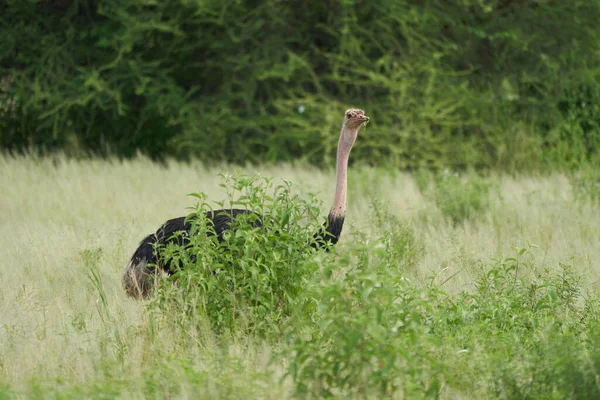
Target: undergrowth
[
  {"x": 586, "y": 184},
  {"x": 253, "y": 279},
  {"x": 355, "y": 324},
  {"x": 460, "y": 197},
  {"x": 264, "y": 315},
  {"x": 378, "y": 334}
]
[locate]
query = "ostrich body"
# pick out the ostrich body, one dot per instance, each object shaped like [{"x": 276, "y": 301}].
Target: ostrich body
[{"x": 137, "y": 276}]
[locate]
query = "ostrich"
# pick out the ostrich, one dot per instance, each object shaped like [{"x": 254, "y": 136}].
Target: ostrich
[{"x": 137, "y": 276}]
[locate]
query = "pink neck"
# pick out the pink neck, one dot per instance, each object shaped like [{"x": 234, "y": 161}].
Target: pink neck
[{"x": 343, "y": 152}]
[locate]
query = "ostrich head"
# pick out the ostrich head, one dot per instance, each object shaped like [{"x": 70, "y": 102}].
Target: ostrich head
[{"x": 353, "y": 120}]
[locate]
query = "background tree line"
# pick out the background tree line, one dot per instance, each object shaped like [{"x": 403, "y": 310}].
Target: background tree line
[{"x": 464, "y": 83}]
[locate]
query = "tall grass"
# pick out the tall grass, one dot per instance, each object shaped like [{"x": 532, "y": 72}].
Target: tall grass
[{"x": 418, "y": 299}]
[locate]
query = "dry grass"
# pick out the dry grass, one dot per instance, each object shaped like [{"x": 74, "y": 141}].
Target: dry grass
[{"x": 61, "y": 219}]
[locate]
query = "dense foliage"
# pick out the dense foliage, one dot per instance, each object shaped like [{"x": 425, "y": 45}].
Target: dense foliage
[
  {"x": 355, "y": 323},
  {"x": 478, "y": 83},
  {"x": 253, "y": 278}
]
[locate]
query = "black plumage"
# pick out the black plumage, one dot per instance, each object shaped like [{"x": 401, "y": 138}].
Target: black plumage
[
  {"x": 145, "y": 259},
  {"x": 221, "y": 220}
]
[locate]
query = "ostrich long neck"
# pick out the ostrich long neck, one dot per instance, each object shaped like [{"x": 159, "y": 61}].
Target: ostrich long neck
[
  {"x": 335, "y": 219},
  {"x": 338, "y": 209}
]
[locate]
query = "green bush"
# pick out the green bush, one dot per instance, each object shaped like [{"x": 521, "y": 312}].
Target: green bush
[
  {"x": 377, "y": 334},
  {"x": 511, "y": 296},
  {"x": 460, "y": 197},
  {"x": 560, "y": 367},
  {"x": 457, "y": 84},
  {"x": 402, "y": 247},
  {"x": 586, "y": 184},
  {"x": 371, "y": 337},
  {"x": 252, "y": 280}
]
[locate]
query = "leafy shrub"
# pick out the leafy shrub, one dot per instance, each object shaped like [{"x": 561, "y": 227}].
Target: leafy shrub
[
  {"x": 510, "y": 296},
  {"x": 370, "y": 337},
  {"x": 252, "y": 280},
  {"x": 402, "y": 247},
  {"x": 559, "y": 367},
  {"x": 586, "y": 184},
  {"x": 518, "y": 326},
  {"x": 375, "y": 334},
  {"x": 460, "y": 197},
  {"x": 423, "y": 178}
]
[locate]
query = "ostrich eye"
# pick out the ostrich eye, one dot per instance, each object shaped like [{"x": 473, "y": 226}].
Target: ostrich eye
[{"x": 348, "y": 115}]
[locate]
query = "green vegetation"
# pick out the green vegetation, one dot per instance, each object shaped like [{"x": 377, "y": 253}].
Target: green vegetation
[
  {"x": 586, "y": 183},
  {"x": 415, "y": 301},
  {"x": 467, "y": 265},
  {"x": 458, "y": 198},
  {"x": 254, "y": 279},
  {"x": 467, "y": 83}
]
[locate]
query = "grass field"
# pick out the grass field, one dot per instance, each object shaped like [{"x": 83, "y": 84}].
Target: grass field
[{"x": 67, "y": 330}]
